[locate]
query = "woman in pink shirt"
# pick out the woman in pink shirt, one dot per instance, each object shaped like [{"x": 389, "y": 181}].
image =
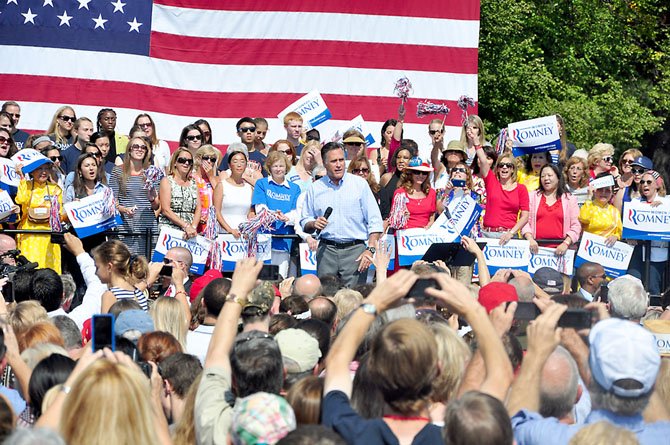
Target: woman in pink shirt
[
  {"x": 554, "y": 213},
  {"x": 507, "y": 200}
]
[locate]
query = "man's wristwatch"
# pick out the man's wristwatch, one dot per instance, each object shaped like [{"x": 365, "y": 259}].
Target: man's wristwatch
[
  {"x": 372, "y": 250},
  {"x": 235, "y": 299},
  {"x": 369, "y": 308}
]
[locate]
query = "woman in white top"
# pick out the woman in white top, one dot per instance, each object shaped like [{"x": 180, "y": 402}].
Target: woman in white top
[
  {"x": 232, "y": 196},
  {"x": 160, "y": 149}
]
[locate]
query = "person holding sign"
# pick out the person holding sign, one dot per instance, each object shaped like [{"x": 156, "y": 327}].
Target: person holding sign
[
  {"x": 180, "y": 207},
  {"x": 36, "y": 197},
  {"x": 598, "y": 216},
  {"x": 88, "y": 179},
  {"x": 507, "y": 201},
  {"x": 554, "y": 213}
]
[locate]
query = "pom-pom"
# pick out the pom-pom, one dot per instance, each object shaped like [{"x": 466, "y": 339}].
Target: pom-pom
[
  {"x": 403, "y": 88},
  {"x": 109, "y": 203},
  {"x": 250, "y": 228},
  {"x": 215, "y": 257},
  {"x": 54, "y": 215},
  {"x": 426, "y": 108},
  {"x": 463, "y": 103},
  {"x": 502, "y": 141},
  {"x": 153, "y": 177},
  {"x": 399, "y": 214},
  {"x": 211, "y": 230}
]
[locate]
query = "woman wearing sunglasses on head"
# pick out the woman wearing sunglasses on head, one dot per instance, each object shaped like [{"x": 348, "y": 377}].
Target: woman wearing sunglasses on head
[
  {"x": 507, "y": 201},
  {"x": 136, "y": 204},
  {"x": 627, "y": 193},
  {"x": 179, "y": 195},
  {"x": 62, "y": 124}
]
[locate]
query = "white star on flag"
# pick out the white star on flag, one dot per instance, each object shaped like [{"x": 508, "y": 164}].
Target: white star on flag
[
  {"x": 134, "y": 25},
  {"x": 118, "y": 6},
  {"x": 83, "y": 4},
  {"x": 12, "y": 1},
  {"x": 48, "y": 2},
  {"x": 100, "y": 22},
  {"x": 64, "y": 19},
  {"x": 29, "y": 17}
]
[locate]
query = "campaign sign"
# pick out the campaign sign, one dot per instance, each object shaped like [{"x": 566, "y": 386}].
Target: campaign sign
[
  {"x": 91, "y": 215},
  {"x": 458, "y": 218},
  {"x": 311, "y": 107},
  {"x": 359, "y": 124},
  {"x": 6, "y": 205},
  {"x": 545, "y": 258},
  {"x": 413, "y": 243},
  {"x": 515, "y": 254},
  {"x": 534, "y": 136},
  {"x": 233, "y": 249},
  {"x": 8, "y": 173},
  {"x": 642, "y": 221},
  {"x": 307, "y": 260},
  {"x": 30, "y": 159},
  {"x": 614, "y": 259},
  {"x": 198, "y": 246}
]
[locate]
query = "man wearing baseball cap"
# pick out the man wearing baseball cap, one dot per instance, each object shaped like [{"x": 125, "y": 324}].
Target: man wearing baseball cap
[{"x": 624, "y": 362}]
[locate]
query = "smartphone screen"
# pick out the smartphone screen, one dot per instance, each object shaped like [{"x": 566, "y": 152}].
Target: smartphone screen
[
  {"x": 102, "y": 328},
  {"x": 458, "y": 182},
  {"x": 576, "y": 319},
  {"x": 654, "y": 300},
  {"x": 269, "y": 272},
  {"x": 526, "y": 311},
  {"x": 166, "y": 271},
  {"x": 418, "y": 290}
]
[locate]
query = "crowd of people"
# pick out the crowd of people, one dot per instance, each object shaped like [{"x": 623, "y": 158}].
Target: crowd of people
[{"x": 363, "y": 351}]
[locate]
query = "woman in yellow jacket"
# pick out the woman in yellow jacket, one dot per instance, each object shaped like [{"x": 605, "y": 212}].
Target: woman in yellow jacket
[{"x": 35, "y": 196}]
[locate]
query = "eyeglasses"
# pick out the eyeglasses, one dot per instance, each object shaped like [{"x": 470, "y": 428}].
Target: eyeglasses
[
  {"x": 148, "y": 124},
  {"x": 187, "y": 161},
  {"x": 647, "y": 182},
  {"x": 627, "y": 161},
  {"x": 506, "y": 165},
  {"x": 258, "y": 132},
  {"x": 56, "y": 158},
  {"x": 286, "y": 152},
  {"x": 138, "y": 147},
  {"x": 608, "y": 159},
  {"x": 15, "y": 115},
  {"x": 247, "y": 129},
  {"x": 211, "y": 159},
  {"x": 432, "y": 132},
  {"x": 192, "y": 138},
  {"x": 4, "y": 140},
  {"x": 458, "y": 170},
  {"x": 97, "y": 154},
  {"x": 357, "y": 171},
  {"x": 637, "y": 171},
  {"x": 356, "y": 144},
  {"x": 67, "y": 118}
]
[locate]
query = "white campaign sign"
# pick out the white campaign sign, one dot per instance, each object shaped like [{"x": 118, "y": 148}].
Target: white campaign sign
[
  {"x": 534, "y": 135},
  {"x": 6, "y": 205},
  {"x": 458, "y": 218},
  {"x": 90, "y": 215},
  {"x": 8, "y": 173},
  {"x": 307, "y": 260},
  {"x": 642, "y": 221},
  {"x": 413, "y": 243},
  {"x": 233, "y": 250},
  {"x": 359, "y": 124},
  {"x": 198, "y": 246},
  {"x": 545, "y": 258},
  {"x": 513, "y": 255},
  {"x": 311, "y": 107},
  {"x": 614, "y": 259}
]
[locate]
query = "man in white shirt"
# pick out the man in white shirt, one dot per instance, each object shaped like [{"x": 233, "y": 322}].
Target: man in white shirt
[{"x": 213, "y": 299}]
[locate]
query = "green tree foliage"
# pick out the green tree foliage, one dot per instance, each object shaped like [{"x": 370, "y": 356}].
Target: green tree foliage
[{"x": 604, "y": 65}]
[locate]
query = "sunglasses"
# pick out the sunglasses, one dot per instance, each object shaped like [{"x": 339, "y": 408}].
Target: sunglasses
[
  {"x": 286, "y": 152},
  {"x": 196, "y": 137},
  {"x": 458, "y": 170},
  {"x": 138, "y": 147},
  {"x": 211, "y": 159},
  {"x": 357, "y": 171},
  {"x": 433, "y": 132},
  {"x": 608, "y": 159},
  {"x": 187, "y": 161},
  {"x": 97, "y": 154},
  {"x": 647, "y": 182},
  {"x": 148, "y": 124},
  {"x": 4, "y": 140},
  {"x": 56, "y": 158},
  {"x": 506, "y": 165},
  {"x": 312, "y": 138},
  {"x": 637, "y": 171},
  {"x": 627, "y": 161},
  {"x": 67, "y": 118},
  {"x": 357, "y": 144},
  {"x": 416, "y": 172},
  {"x": 16, "y": 115},
  {"x": 247, "y": 129}
]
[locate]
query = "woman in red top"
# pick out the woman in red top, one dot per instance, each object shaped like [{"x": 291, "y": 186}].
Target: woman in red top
[
  {"x": 415, "y": 184},
  {"x": 507, "y": 201},
  {"x": 554, "y": 213}
]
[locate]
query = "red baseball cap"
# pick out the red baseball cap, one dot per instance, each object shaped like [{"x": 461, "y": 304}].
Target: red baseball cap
[
  {"x": 200, "y": 282},
  {"x": 494, "y": 294}
]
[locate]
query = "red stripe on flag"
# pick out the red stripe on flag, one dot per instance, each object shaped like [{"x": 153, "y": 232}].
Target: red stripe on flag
[
  {"x": 201, "y": 103},
  {"x": 443, "y": 9},
  {"x": 313, "y": 53}
]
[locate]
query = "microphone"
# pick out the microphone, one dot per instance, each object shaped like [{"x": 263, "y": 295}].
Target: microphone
[{"x": 326, "y": 215}]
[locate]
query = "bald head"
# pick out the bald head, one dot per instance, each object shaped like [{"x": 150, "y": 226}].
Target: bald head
[
  {"x": 525, "y": 289},
  {"x": 180, "y": 254},
  {"x": 323, "y": 309},
  {"x": 307, "y": 286},
  {"x": 559, "y": 384},
  {"x": 590, "y": 276},
  {"x": 7, "y": 243}
]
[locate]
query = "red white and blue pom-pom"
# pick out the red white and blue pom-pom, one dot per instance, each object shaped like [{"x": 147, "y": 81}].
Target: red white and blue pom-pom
[
  {"x": 427, "y": 108},
  {"x": 403, "y": 88},
  {"x": 54, "y": 215},
  {"x": 249, "y": 229},
  {"x": 109, "y": 203},
  {"x": 399, "y": 214},
  {"x": 153, "y": 177},
  {"x": 463, "y": 103}
]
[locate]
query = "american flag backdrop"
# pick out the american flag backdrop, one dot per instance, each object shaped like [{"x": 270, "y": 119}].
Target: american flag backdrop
[{"x": 181, "y": 60}]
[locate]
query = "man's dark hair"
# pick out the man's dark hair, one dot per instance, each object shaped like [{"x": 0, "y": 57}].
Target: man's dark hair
[
  {"x": 244, "y": 120},
  {"x": 256, "y": 363},
  {"x": 22, "y": 281},
  {"x": 312, "y": 435},
  {"x": 47, "y": 288},
  {"x": 214, "y": 295},
  {"x": 279, "y": 322},
  {"x": 293, "y": 305},
  {"x": 330, "y": 284},
  {"x": 49, "y": 372},
  {"x": 327, "y": 148},
  {"x": 180, "y": 370},
  {"x": 323, "y": 309},
  {"x": 68, "y": 330},
  {"x": 477, "y": 418},
  {"x": 128, "y": 347},
  {"x": 313, "y": 135},
  {"x": 320, "y": 331}
]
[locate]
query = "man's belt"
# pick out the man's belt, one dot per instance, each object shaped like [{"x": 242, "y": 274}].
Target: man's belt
[{"x": 344, "y": 245}]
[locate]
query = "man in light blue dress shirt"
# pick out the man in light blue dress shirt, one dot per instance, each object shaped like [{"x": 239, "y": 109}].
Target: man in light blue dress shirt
[{"x": 355, "y": 219}]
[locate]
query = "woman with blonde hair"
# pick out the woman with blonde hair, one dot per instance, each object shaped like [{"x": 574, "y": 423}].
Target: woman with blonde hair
[
  {"x": 626, "y": 166},
  {"x": 576, "y": 174},
  {"x": 206, "y": 176},
  {"x": 473, "y": 135},
  {"x": 25, "y": 314},
  {"x": 60, "y": 129},
  {"x": 136, "y": 204},
  {"x": 601, "y": 160},
  {"x": 168, "y": 316},
  {"x": 122, "y": 272},
  {"x": 180, "y": 203}
]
